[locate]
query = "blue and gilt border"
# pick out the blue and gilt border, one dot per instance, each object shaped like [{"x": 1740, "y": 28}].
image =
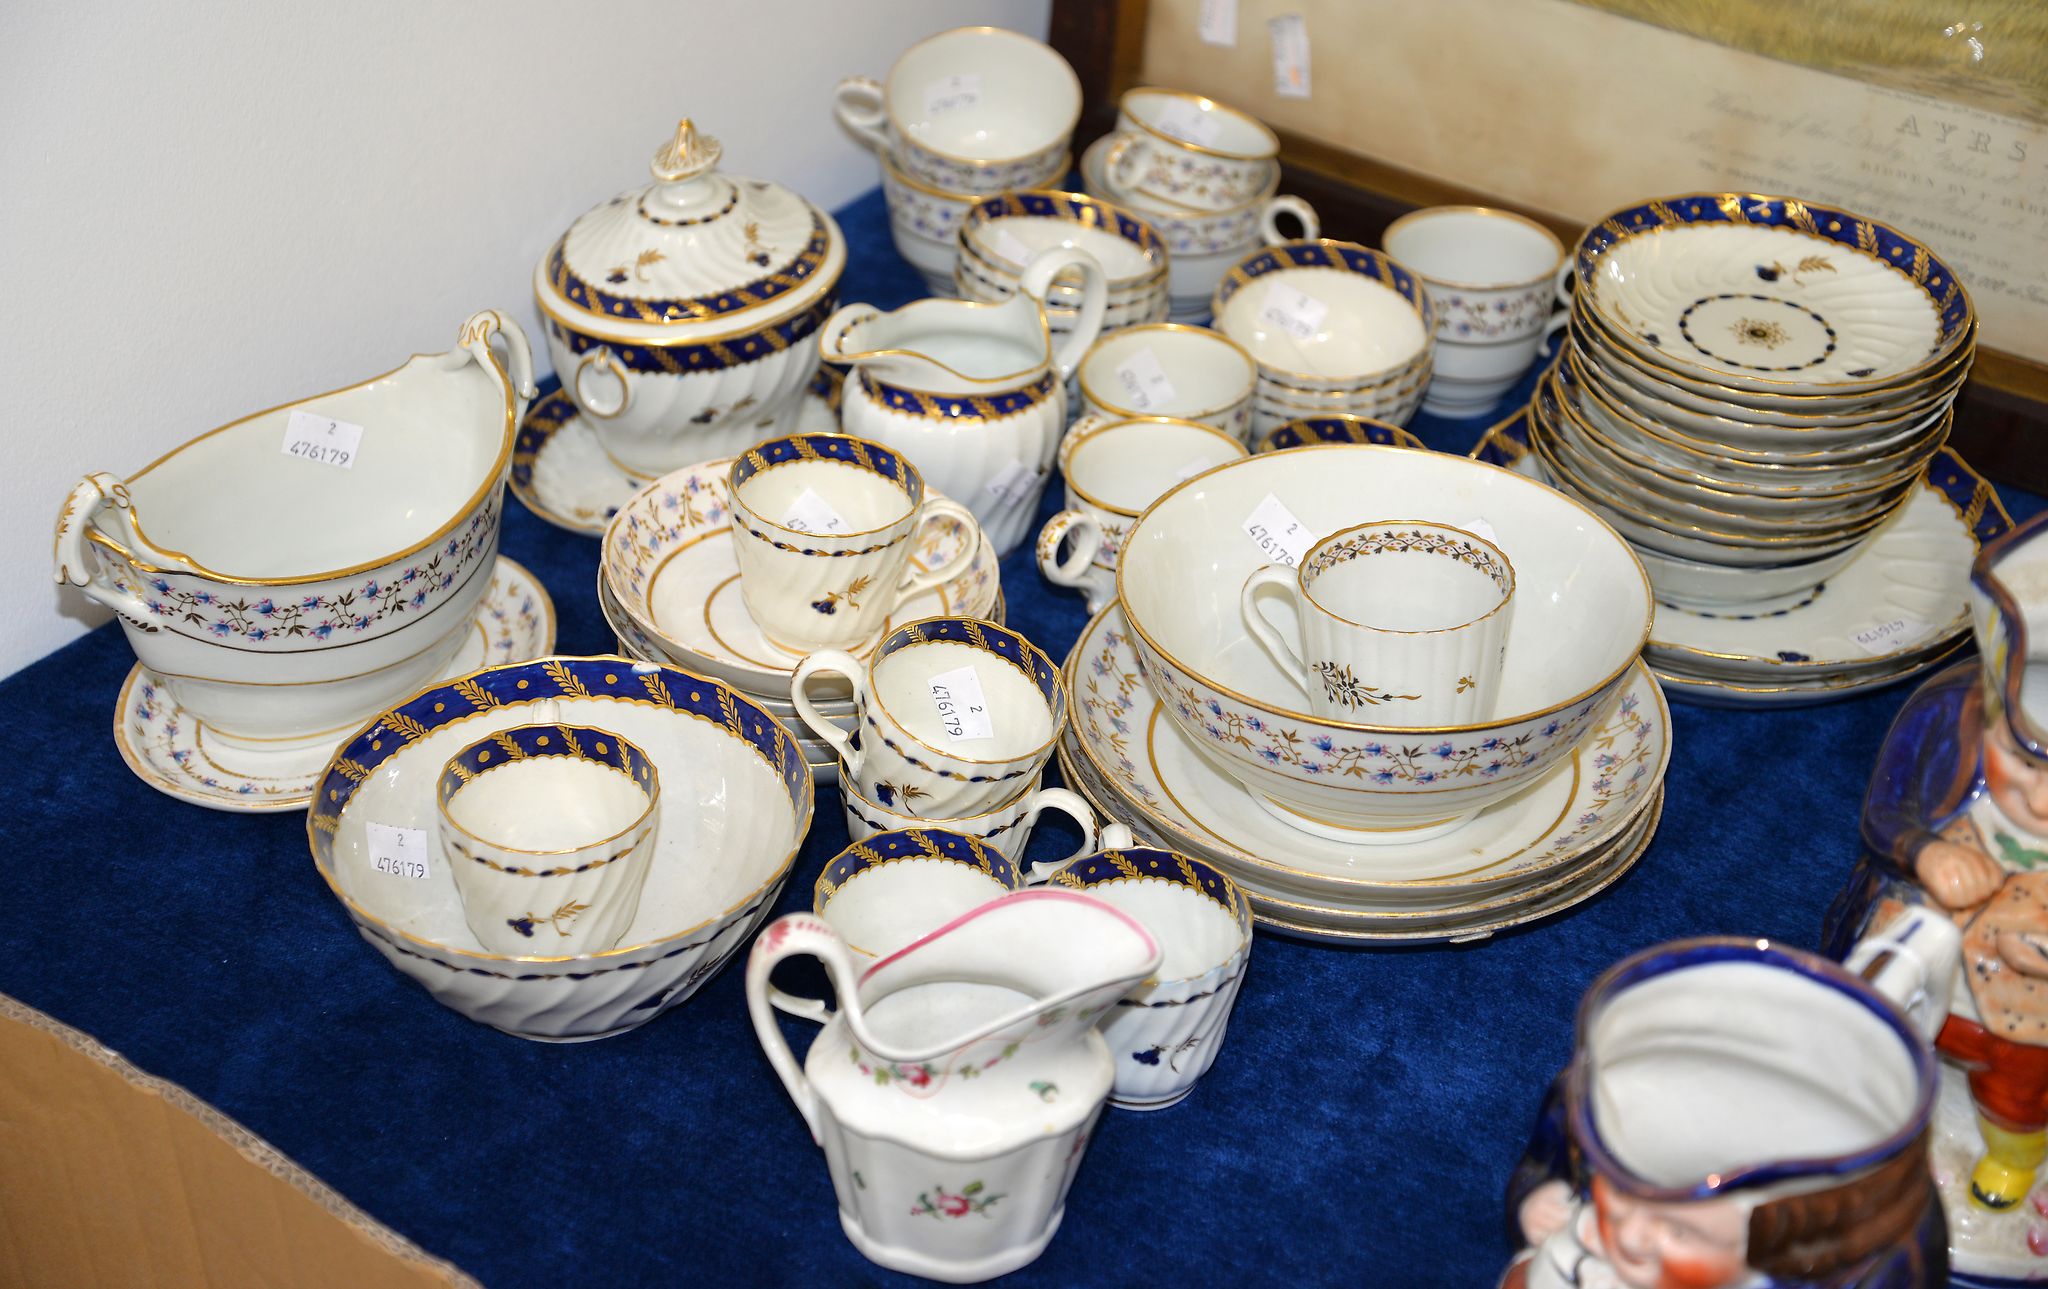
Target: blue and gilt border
[
  {"x": 709, "y": 355},
  {"x": 1888, "y": 246},
  {"x": 616, "y": 679},
  {"x": 913, "y": 843},
  {"x": 1004, "y": 643},
  {"x": 719, "y": 304},
  {"x": 959, "y": 407},
  {"x": 843, "y": 448},
  {"x": 526, "y": 742},
  {"x": 1073, "y": 209},
  {"x": 1312, "y": 430},
  {"x": 1162, "y": 865},
  {"x": 1346, "y": 257}
]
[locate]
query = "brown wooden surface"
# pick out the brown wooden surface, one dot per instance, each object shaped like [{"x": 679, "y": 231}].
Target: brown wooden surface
[{"x": 2001, "y": 420}]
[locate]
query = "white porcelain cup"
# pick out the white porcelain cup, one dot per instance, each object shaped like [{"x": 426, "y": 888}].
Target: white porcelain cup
[
  {"x": 955, "y": 716},
  {"x": 1400, "y": 623},
  {"x": 1007, "y": 828},
  {"x": 1488, "y": 274},
  {"x": 823, "y": 526},
  {"x": 1170, "y": 369},
  {"x": 1113, "y": 470},
  {"x": 548, "y": 831},
  {"x": 1191, "y": 153},
  {"x": 974, "y": 110}
]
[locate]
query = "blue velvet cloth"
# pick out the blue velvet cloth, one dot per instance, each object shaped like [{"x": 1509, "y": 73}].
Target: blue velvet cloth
[{"x": 1359, "y": 1127}]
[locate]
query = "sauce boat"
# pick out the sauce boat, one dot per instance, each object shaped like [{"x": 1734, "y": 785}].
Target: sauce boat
[{"x": 284, "y": 596}]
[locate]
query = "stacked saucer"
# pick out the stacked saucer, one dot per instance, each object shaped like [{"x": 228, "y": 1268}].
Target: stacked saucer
[
  {"x": 1897, "y": 607},
  {"x": 668, "y": 582}
]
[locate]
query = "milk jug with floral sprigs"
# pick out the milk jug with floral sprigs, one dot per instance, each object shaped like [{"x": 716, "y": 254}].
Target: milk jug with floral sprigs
[{"x": 957, "y": 1086}]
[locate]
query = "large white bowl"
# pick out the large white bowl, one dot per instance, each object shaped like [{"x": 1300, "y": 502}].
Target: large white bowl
[
  {"x": 724, "y": 848},
  {"x": 1582, "y": 613}
]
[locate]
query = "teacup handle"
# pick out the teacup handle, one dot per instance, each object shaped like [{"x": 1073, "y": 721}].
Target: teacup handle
[
  {"x": 798, "y": 933},
  {"x": 1262, "y": 631},
  {"x": 1562, "y": 283},
  {"x": 1087, "y": 541},
  {"x": 858, "y": 103},
  {"x": 1269, "y": 226},
  {"x": 939, "y": 510},
  {"x": 836, "y": 663},
  {"x": 1036, "y": 282},
  {"x": 1913, "y": 962},
  {"x": 1074, "y": 807}
]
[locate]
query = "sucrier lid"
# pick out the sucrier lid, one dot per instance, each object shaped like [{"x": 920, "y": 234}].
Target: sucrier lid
[{"x": 694, "y": 250}]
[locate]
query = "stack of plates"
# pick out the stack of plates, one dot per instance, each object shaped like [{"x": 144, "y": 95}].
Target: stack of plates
[
  {"x": 1752, "y": 388},
  {"x": 1571, "y": 834},
  {"x": 669, "y": 586},
  {"x": 1897, "y": 607}
]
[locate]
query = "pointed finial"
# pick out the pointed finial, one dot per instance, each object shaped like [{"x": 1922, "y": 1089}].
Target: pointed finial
[{"x": 687, "y": 155}]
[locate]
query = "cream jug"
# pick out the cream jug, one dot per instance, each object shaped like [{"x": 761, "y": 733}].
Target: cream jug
[
  {"x": 956, "y": 1088},
  {"x": 974, "y": 394}
]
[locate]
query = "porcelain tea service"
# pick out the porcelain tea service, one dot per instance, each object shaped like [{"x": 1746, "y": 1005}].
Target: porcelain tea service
[
  {"x": 1705, "y": 1133},
  {"x": 300, "y": 568},
  {"x": 1489, "y": 276},
  {"x": 1113, "y": 470},
  {"x": 1003, "y": 234},
  {"x": 1170, "y": 369},
  {"x": 681, "y": 315},
  {"x": 974, "y": 395},
  {"x": 823, "y": 530},
  {"x": 1403, "y": 621},
  {"x": 548, "y": 817},
  {"x": 954, "y": 716}
]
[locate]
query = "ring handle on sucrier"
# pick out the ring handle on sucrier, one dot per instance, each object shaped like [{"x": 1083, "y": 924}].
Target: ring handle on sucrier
[{"x": 602, "y": 362}]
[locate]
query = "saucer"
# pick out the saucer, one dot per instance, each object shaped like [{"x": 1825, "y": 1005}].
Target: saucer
[
  {"x": 669, "y": 569},
  {"x": 168, "y": 750},
  {"x": 1905, "y": 594},
  {"x": 565, "y": 476},
  {"x": 1534, "y": 836}
]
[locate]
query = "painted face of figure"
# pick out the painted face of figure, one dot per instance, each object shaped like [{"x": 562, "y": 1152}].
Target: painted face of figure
[
  {"x": 1698, "y": 1245},
  {"x": 2017, "y": 786}
]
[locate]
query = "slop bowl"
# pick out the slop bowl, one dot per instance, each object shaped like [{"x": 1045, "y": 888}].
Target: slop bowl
[
  {"x": 736, "y": 806},
  {"x": 1582, "y": 613}
]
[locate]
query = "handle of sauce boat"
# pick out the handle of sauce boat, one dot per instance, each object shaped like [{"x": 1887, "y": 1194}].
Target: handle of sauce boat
[
  {"x": 1036, "y": 282},
  {"x": 941, "y": 510},
  {"x": 859, "y": 104},
  {"x": 518, "y": 365},
  {"x": 1087, "y": 541},
  {"x": 1912, "y": 961},
  {"x": 1270, "y": 640},
  {"x": 787, "y": 937},
  {"x": 591, "y": 395},
  {"x": 1074, "y": 807},
  {"x": 1269, "y": 225},
  {"x": 77, "y": 527},
  {"x": 832, "y": 662},
  {"x": 832, "y": 336}
]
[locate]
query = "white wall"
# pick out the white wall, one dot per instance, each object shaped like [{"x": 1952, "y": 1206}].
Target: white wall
[{"x": 214, "y": 207}]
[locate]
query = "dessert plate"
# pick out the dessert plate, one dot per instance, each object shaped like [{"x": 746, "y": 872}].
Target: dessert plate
[
  {"x": 1897, "y": 607},
  {"x": 1771, "y": 298},
  {"x": 669, "y": 565},
  {"x": 1147, "y": 761},
  {"x": 564, "y": 475},
  {"x": 169, "y": 750}
]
